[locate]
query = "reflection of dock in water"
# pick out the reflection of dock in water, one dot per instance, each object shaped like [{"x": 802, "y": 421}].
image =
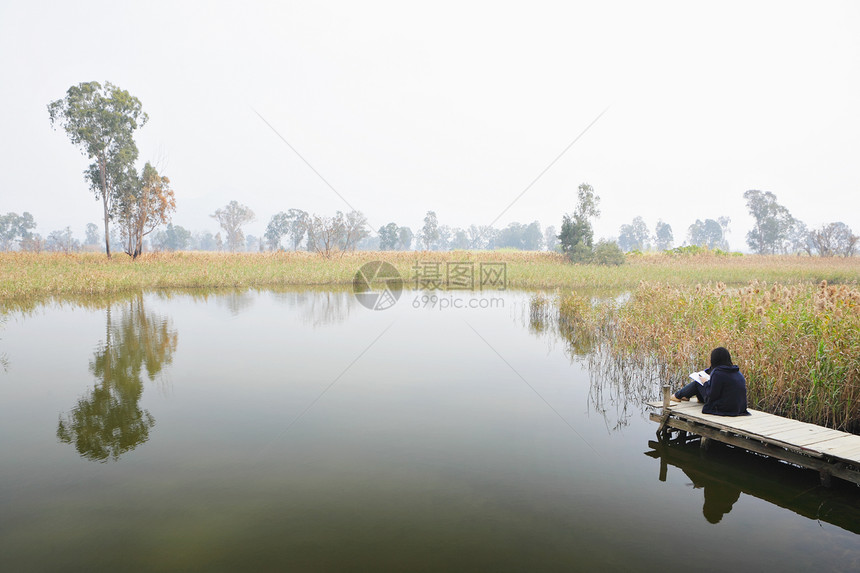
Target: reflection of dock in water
[
  {"x": 725, "y": 473},
  {"x": 829, "y": 452}
]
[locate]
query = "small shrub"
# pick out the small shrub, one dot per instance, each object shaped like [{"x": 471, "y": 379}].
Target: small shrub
[
  {"x": 580, "y": 253},
  {"x": 607, "y": 253}
]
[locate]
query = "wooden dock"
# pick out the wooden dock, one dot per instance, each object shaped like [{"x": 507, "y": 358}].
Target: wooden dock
[{"x": 829, "y": 452}]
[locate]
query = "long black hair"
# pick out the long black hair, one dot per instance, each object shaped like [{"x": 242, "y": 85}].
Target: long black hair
[{"x": 720, "y": 357}]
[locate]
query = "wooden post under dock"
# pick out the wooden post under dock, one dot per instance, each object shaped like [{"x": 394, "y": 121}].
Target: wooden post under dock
[{"x": 829, "y": 452}]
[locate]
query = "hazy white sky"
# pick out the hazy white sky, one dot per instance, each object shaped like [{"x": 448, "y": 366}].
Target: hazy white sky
[{"x": 451, "y": 106}]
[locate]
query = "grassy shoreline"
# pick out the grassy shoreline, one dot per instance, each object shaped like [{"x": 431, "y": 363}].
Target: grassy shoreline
[
  {"x": 27, "y": 275},
  {"x": 797, "y": 345},
  {"x": 794, "y": 333}
]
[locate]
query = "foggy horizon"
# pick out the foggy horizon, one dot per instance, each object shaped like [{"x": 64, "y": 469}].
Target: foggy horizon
[{"x": 455, "y": 109}]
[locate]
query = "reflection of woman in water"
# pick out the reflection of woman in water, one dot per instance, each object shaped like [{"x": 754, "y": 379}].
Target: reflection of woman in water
[
  {"x": 719, "y": 499},
  {"x": 720, "y": 494},
  {"x": 725, "y": 394}
]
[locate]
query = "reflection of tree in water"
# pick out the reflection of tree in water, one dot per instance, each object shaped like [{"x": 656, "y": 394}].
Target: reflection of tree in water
[
  {"x": 320, "y": 308},
  {"x": 618, "y": 386},
  {"x": 327, "y": 308},
  {"x": 546, "y": 320},
  {"x": 4, "y": 360},
  {"x": 108, "y": 421},
  {"x": 235, "y": 301}
]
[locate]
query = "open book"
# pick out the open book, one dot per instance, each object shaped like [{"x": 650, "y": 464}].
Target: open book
[{"x": 700, "y": 377}]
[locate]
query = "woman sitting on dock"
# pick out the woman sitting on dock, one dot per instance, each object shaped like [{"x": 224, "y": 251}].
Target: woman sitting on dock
[{"x": 725, "y": 394}]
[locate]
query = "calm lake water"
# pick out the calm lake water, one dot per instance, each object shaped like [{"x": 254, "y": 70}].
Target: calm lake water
[{"x": 300, "y": 431}]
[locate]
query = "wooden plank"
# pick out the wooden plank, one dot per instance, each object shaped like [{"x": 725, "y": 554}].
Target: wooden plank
[
  {"x": 778, "y": 440},
  {"x": 762, "y": 428},
  {"x": 812, "y": 441},
  {"x": 796, "y": 434},
  {"x": 696, "y": 410},
  {"x": 850, "y": 456},
  {"x": 770, "y": 427},
  {"x": 760, "y": 421},
  {"x": 801, "y": 433},
  {"x": 847, "y": 447},
  {"x": 834, "y": 441}
]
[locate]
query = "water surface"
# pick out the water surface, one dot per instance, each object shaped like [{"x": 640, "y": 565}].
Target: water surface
[{"x": 300, "y": 431}]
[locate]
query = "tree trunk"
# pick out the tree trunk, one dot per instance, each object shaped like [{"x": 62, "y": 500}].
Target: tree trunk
[{"x": 103, "y": 170}]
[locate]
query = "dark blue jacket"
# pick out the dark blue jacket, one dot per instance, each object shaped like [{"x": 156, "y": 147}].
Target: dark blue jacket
[{"x": 726, "y": 392}]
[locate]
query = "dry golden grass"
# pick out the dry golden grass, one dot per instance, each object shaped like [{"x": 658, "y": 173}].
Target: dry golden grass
[
  {"x": 45, "y": 274},
  {"x": 798, "y": 345}
]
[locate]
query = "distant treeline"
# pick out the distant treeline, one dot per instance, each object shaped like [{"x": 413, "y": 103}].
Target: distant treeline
[
  {"x": 775, "y": 231},
  {"x": 296, "y": 229}
]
